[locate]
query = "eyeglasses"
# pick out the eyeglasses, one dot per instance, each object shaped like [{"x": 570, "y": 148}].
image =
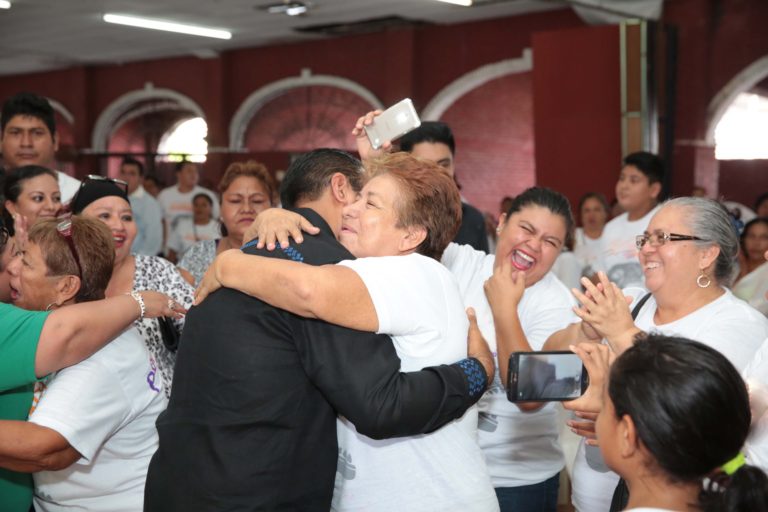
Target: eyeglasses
[
  {"x": 659, "y": 238},
  {"x": 64, "y": 228}
]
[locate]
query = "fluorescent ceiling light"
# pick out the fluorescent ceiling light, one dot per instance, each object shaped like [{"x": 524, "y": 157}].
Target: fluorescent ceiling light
[
  {"x": 5, "y": 4},
  {"x": 168, "y": 26},
  {"x": 465, "y": 3}
]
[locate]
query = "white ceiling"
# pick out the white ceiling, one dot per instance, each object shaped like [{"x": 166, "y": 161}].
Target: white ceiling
[{"x": 38, "y": 35}]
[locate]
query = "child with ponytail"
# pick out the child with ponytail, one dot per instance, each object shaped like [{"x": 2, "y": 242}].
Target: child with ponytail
[{"x": 673, "y": 420}]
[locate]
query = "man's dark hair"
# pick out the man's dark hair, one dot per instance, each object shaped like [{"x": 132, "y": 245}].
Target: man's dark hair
[
  {"x": 429, "y": 131},
  {"x": 308, "y": 176},
  {"x": 647, "y": 163},
  {"x": 28, "y": 104},
  {"x": 132, "y": 161}
]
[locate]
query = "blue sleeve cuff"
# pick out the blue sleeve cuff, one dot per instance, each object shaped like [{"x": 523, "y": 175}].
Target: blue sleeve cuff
[{"x": 476, "y": 376}]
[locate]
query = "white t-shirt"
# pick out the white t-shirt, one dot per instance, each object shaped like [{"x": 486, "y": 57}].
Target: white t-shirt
[
  {"x": 105, "y": 407},
  {"x": 418, "y": 304},
  {"x": 587, "y": 251},
  {"x": 568, "y": 269},
  {"x": 756, "y": 375},
  {"x": 187, "y": 234},
  {"x": 68, "y": 186},
  {"x": 177, "y": 205},
  {"x": 520, "y": 448},
  {"x": 753, "y": 288},
  {"x": 618, "y": 256},
  {"x": 727, "y": 324}
]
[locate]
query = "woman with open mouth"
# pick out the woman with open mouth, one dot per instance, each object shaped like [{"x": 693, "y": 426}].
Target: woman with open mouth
[
  {"x": 519, "y": 304},
  {"x": 91, "y": 431},
  {"x": 106, "y": 199},
  {"x": 688, "y": 255}
]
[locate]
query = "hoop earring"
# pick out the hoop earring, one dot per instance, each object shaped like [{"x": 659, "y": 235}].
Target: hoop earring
[
  {"x": 700, "y": 281},
  {"x": 50, "y": 306}
]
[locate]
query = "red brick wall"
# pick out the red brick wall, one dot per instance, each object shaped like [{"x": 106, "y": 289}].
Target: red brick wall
[
  {"x": 743, "y": 180},
  {"x": 494, "y": 140},
  {"x": 577, "y": 110},
  {"x": 717, "y": 38}
]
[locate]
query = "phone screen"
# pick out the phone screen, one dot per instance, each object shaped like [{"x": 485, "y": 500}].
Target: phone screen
[{"x": 545, "y": 376}]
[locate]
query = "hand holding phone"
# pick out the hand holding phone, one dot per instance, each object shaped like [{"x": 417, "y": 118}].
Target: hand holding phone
[
  {"x": 393, "y": 123},
  {"x": 545, "y": 376}
]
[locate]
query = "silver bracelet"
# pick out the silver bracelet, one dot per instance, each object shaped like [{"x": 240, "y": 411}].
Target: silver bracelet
[{"x": 138, "y": 298}]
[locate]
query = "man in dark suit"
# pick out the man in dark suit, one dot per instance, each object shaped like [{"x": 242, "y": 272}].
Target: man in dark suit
[{"x": 251, "y": 423}]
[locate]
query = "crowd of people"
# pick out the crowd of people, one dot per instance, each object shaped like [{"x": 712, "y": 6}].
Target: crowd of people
[{"x": 341, "y": 340}]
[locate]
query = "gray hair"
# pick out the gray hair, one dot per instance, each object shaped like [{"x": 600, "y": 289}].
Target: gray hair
[{"x": 710, "y": 221}]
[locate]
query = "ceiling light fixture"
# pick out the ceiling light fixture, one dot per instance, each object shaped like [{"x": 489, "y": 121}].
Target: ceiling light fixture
[
  {"x": 5, "y": 4},
  {"x": 287, "y": 7},
  {"x": 465, "y": 3},
  {"x": 168, "y": 26}
]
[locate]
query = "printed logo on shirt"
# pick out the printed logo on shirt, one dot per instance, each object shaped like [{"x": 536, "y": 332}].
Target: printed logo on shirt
[
  {"x": 487, "y": 422},
  {"x": 626, "y": 274},
  {"x": 345, "y": 466},
  {"x": 152, "y": 375}
]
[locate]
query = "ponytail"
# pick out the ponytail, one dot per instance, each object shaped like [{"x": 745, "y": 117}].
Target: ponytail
[{"x": 745, "y": 490}]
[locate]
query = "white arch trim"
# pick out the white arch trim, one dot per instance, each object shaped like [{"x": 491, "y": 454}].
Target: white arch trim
[
  {"x": 264, "y": 95},
  {"x": 472, "y": 80},
  {"x": 742, "y": 82},
  {"x": 61, "y": 109},
  {"x": 106, "y": 121}
]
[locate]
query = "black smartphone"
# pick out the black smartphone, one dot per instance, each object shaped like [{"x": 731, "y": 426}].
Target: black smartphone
[{"x": 554, "y": 376}]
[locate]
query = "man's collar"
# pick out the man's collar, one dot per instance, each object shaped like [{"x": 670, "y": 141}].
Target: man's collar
[{"x": 138, "y": 193}]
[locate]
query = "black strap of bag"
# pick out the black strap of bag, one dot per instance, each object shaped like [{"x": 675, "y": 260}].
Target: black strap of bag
[{"x": 621, "y": 494}]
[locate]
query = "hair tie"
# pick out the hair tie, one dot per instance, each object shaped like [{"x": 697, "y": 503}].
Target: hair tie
[{"x": 733, "y": 465}]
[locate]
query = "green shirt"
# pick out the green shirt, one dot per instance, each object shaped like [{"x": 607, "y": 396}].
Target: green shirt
[{"x": 19, "y": 333}]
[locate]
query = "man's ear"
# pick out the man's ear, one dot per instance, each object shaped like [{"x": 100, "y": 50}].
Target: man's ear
[
  {"x": 55, "y": 138},
  {"x": 67, "y": 288},
  {"x": 412, "y": 238},
  {"x": 341, "y": 190},
  {"x": 656, "y": 190}
]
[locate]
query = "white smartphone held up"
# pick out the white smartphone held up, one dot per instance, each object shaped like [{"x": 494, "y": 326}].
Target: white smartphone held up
[{"x": 394, "y": 122}]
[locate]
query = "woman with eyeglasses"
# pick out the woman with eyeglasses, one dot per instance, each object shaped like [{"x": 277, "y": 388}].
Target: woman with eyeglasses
[
  {"x": 107, "y": 200},
  {"x": 33, "y": 192},
  {"x": 688, "y": 256},
  {"x": 90, "y": 433}
]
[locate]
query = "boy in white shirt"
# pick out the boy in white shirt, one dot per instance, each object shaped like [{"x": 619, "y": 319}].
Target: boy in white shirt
[{"x": 637, "y": 191}]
